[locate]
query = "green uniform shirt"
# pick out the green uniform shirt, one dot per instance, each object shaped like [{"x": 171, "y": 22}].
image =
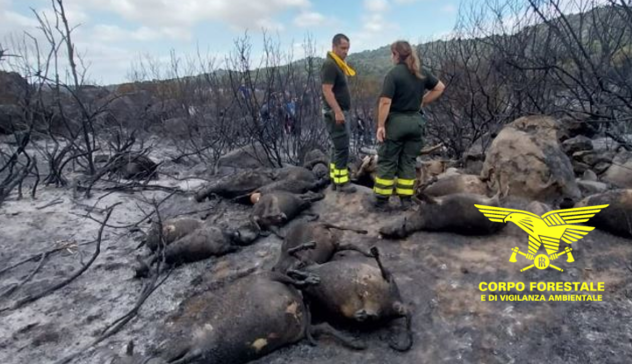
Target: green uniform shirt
[
  {"x": 405, "y": 89},
  {"x": 331, "y": 74}
]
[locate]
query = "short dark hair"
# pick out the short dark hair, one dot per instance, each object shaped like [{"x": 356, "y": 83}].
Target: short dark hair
[{"x": 338, "y": 37}]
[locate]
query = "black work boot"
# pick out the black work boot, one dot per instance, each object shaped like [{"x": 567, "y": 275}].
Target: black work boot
[
  {"x": 346, "y": 188},
  {"x": 380, "y": 203},
  {"x": 406, "y": 203}
]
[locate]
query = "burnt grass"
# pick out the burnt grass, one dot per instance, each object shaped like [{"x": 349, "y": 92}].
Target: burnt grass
[{"x": 438, "y": 275}]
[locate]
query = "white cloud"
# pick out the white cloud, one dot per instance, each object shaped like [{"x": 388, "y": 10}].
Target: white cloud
[
  {"x": 238, "y": 14},
  {"x": 405, "y": 1},
  {"x": 309, "y": 19},
  {"x": 113, "y": 33},
  {"x": 160, "y": 19},
  {"x": 5, "y": 4},
  {"x": 74, "y": 16},
  {"x": 12, "y": 22},
  {"x": 374, "y": 23},
  {"x": 12, "y": 28},
  {"x": 105, "y": 62},
  {"x": 14, "y": 25},
  {"x": 268, "y": 24},
  {"x": 450, "y": 8},
  {"x": 10, "y": 19},
  {"x": 376, "y": 30},
  {"x": 376, "y": 5},
  {"x": 106, "y": 47},
  {"x": 75, "y": 13},
  {"x": 109, "y": 33}
]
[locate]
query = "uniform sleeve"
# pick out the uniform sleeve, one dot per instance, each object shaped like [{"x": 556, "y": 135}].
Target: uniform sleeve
[
  {"x": 328, "y": 74},
  {"x": 388, "y": 87},
  {"x": 431, "y": 79}
]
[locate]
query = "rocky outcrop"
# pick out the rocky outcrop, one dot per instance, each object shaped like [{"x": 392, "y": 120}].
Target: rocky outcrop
[
  {"x": 620, "y": 172},
  {"x": 526, "y": 160}
]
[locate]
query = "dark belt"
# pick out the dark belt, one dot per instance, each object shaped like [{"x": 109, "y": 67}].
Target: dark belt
[{"x": 406, "y": 113}]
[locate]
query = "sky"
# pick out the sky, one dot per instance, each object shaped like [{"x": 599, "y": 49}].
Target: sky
[{"x": 112, "y": 35}]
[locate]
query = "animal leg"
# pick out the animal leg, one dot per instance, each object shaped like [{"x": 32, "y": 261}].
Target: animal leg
[
  {"x": 310, "y": 280},
  {"x": 304, "y": 279},
  {"x": 326, "y": 329},
  {"x": 332, "y": 226},
  {"x": 312, "y": 217},
  {"x": 362, "y": 316},
  {"x": 308, "y": 326},
  {"x": 301, "y": 262},
  {"x": 385, "y": 273},
  {"x": 311, "y": 197},
  {"x": 342, "y": 247},
  {"x": 304, "y": 246},
  {"x": 255, "y": 222},
  {"x": 299, "y": 274}
]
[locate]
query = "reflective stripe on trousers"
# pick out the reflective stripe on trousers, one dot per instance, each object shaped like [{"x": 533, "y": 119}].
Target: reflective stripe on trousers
[
  {"x": 339, "y": 176},
  {"x": 383, "y": 187},
  {"x": 405, "y": 187}
]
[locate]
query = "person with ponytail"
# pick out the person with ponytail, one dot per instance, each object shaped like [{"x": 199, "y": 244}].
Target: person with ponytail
[{"x": 406, "y": 89}]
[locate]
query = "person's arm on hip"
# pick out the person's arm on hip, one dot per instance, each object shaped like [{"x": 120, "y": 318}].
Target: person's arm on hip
[
  {"x": 383, "y": 110},
  {"x": 331, "y": 100}
]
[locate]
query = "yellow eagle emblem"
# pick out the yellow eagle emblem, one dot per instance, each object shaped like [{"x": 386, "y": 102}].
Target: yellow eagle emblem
[{"x": 546, "y": 230}]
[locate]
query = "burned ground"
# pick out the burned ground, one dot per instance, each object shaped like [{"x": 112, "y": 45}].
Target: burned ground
[{"x": 438, "y": 275}]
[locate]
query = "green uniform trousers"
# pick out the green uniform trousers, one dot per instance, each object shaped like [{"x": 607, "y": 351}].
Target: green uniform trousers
[
  {"x": 397, "y": 156},
  {"x": 339, "y": 134}
]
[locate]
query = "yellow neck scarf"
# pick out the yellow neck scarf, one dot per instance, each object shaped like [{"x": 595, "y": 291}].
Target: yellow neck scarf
[{"x": 342, "y": 64}]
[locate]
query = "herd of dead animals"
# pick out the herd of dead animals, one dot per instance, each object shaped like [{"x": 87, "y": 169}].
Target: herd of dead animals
[
  {"x": 264, "y": 311},
  {"x": 316, "y": 272}
]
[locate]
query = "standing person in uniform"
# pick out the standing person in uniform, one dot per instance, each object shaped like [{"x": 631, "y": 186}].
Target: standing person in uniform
[
  {"x": 400, "y": 124},
  {"x": 336, "y": 106}
]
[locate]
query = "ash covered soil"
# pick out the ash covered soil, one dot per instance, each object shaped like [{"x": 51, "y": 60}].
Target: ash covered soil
[{"x": 437, "y": 273}]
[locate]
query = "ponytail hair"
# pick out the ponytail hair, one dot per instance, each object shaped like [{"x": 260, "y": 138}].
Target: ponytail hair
[{"x": 405, "y": 53}]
